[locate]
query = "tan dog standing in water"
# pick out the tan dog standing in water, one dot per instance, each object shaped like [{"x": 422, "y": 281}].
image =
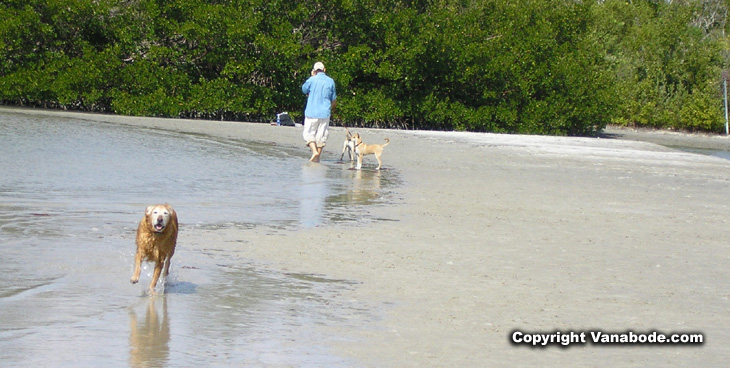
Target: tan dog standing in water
[
  {"x": 156, "y": 239},
  {"x": 363, "y": 149}
]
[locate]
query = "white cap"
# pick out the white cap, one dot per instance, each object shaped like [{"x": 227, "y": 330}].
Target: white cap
[{"x": 318, "y": 66}]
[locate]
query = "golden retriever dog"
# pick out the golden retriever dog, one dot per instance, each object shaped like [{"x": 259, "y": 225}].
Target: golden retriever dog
[
  {"x": 156, "y": 239},
  {"x": 362, "y": 149}
]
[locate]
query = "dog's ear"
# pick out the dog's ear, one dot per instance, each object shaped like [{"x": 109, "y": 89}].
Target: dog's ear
[
  {"x": 148, "y": 210},
  {"x": 173, "y": 214},
  {"x": 169, "y": 209},
  {"x": 347, "y": 131}
]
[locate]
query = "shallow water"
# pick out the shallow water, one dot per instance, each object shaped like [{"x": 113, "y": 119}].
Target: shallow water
[
  {"x": 71, "y": 194},
  {"x": 706, "y": 152}
]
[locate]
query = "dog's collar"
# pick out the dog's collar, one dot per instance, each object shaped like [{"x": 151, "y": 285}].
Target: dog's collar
[{"x": 358, "y": 144}]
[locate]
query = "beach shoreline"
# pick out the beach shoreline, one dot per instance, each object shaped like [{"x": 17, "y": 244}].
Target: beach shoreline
[{"x": 491, "y": 234}]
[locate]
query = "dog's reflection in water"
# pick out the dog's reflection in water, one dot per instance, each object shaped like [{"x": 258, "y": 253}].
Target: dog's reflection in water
[
  {"x": 149, "y": 337},
  {"x": 365, "y": 187}
]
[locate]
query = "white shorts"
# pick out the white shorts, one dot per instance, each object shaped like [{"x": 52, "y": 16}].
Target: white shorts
[{"x": 316, "y": 130}]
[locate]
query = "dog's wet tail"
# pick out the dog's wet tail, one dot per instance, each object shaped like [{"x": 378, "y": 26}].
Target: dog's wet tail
[{"x": 386, "y": 142}]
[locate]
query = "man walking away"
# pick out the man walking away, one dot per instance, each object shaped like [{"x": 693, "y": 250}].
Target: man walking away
[{"x": 321, "y": 96}]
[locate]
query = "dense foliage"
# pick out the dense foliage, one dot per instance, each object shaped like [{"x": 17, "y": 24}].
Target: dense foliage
[{"x": 565, "y": 67}]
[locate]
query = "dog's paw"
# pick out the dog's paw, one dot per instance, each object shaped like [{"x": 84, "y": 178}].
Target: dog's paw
[{"x": 134, "y": 281}]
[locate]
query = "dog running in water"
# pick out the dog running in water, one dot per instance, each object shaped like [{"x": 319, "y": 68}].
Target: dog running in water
[
  {"x": 362, "y": 149},
  {"x": 156, "y": 240}
]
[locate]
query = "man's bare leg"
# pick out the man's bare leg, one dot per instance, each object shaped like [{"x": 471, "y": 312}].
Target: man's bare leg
[{"x": 315, "y": 152}]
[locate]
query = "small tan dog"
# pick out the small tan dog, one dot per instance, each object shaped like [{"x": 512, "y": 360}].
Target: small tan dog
[
  {"x": 156, "y": 240},
  {"x": 362, "y": 149}
]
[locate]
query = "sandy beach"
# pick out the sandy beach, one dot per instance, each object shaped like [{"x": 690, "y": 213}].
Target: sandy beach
[{"x": 491, "y": 234}]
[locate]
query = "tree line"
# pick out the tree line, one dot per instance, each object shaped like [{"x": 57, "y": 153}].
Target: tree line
[{"x": 559, "y": 67}]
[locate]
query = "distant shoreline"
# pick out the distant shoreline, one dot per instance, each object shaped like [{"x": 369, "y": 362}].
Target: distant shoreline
[
  {"x": 669, "y": 138},
  {"x": 658, "y": 136}
]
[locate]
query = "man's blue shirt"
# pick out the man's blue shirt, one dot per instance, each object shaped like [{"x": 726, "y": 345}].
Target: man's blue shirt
[{"x": 321, "y": 91}]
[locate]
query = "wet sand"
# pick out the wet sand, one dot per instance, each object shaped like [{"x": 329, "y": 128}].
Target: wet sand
[{"x": 491, "y": 233}]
